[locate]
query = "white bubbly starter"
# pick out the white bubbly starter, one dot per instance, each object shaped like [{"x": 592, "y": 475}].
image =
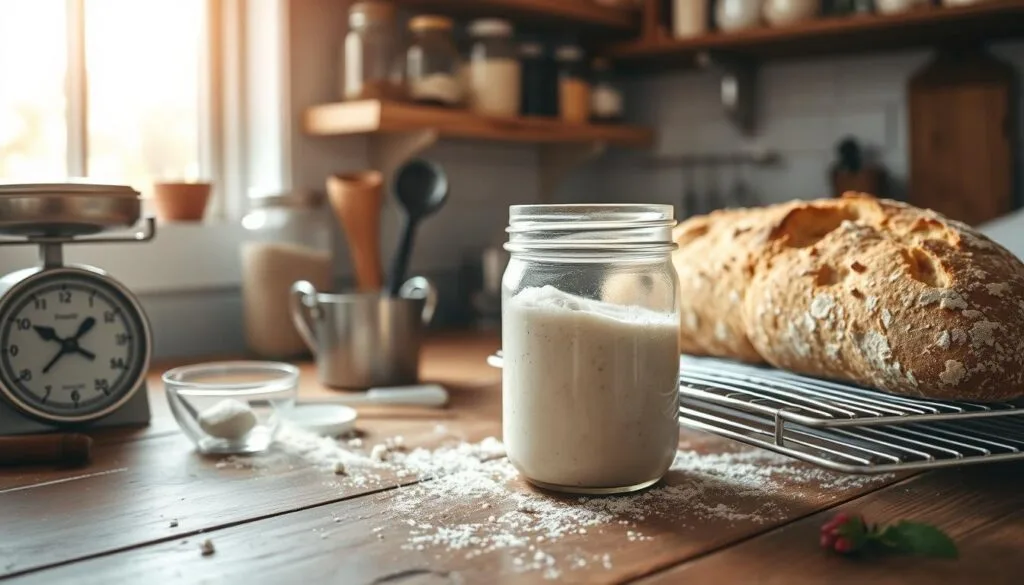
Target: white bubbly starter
[{"x": 590, "y": 397}]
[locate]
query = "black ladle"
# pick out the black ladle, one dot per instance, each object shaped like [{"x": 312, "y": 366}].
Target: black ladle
[{"x": 421, "y": 187}]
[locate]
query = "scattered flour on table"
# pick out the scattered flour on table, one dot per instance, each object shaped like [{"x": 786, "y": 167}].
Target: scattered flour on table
[{"x": 474, "y": 480}]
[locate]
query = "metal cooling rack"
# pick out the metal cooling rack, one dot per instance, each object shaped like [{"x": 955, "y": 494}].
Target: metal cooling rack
[
  {"x": 867, "y": 449},
  {"x": 815, "y": 402},
  {"x": 839, "y": 426}
]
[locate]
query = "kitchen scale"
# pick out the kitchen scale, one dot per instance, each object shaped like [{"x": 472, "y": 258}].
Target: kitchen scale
[{"x": 75, "y": 344}]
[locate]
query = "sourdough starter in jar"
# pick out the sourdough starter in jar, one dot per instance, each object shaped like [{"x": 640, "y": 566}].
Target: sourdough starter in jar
[
  {"x": 590, "y": 374},
  {"x": 595, "y": 400}
]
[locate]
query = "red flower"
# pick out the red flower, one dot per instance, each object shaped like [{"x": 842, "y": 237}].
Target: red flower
[{"x": 844, "y": 534}]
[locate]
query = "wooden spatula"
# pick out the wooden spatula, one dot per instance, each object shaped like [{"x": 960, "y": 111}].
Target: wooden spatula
[{"x": 356, "y": 199}]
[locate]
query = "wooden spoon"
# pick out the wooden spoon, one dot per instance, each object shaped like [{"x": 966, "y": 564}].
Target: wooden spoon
[{"x": 356, "y": 199}]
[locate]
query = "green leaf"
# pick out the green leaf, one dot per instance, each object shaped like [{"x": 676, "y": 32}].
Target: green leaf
[{"x": 918, "y": 538}]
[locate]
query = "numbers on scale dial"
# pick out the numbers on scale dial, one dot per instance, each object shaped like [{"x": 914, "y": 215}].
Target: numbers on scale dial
[{"x": 70, "y": 346}]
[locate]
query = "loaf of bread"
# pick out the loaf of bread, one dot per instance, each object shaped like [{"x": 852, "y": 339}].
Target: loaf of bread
[{"x": 858, "y": 289}]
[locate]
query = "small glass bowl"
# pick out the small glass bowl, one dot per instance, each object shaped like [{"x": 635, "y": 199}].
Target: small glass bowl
[{"x": 196, "y": 393}]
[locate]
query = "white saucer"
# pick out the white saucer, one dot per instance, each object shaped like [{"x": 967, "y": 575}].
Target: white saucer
[{"x": 329, "y": 420}]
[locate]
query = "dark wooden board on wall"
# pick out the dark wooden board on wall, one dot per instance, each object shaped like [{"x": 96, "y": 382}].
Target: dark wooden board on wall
[{"x": 962, "y": 126}]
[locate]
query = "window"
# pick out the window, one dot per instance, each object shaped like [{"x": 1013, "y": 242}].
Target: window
[
  {"x": 137, "y": 91},
  {"x": 111, "y": 90}
]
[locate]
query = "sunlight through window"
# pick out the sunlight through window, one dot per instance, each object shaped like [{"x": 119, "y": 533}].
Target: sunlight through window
[
  {"x": 144, "y": 72},
  {"x": 33, "y": 130},
  {"x": 142, "y": 67}
]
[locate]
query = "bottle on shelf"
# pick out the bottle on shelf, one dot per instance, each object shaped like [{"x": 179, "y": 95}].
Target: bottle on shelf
[
  {"x": 373, "y": 67},
  {"x": 432, "y": 63},
  {"x": 494, "y": 68},
  {"x": 690, "y": 18},
  {"x": 539, "y": 81},
  {"x": 605, "y": 97},
  {"x": 573, "y": 85}
]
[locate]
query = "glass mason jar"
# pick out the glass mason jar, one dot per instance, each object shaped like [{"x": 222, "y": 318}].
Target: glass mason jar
[
  {"x": 494, "y": 69},
  {"x": 590, "y": 329},
  {"x": 372, "y": 64},
  {"x": 432, "y": 63},
  {"x": 288, "y": 238},
  {"x": 573, "y": 85}
]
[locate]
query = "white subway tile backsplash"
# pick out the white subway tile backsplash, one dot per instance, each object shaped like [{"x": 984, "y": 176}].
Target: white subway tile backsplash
[
  {"x": 698, "y": 136},
  {"x": 798, "y": 88},
  {"x": 799, "y": 176},
  {"x": 799, "y": 133},
  {"x": 876, "y": 78}
]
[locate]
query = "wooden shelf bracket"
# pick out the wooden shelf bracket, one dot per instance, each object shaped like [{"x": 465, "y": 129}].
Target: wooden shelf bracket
[
  {"x": 389, "y": 150},
  {"x": 558, "y": 160}
]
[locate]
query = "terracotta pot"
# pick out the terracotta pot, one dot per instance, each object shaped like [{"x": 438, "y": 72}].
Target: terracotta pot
[{"x": 181, "y": 201}]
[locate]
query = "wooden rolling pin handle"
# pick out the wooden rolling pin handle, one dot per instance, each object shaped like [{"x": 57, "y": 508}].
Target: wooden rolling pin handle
[{"x": 64, "y": 449}]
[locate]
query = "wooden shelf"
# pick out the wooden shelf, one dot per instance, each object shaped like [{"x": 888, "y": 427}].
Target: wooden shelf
[
  {"x": 372, "y": 116},
  {"x": 544, "y": 12},
  {"x": 397, "y": 132},
  {"x": 856, "y": 34}
]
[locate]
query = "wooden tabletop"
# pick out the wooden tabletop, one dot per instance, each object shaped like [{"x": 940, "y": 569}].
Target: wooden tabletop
[{"x": 138, "y": 512}]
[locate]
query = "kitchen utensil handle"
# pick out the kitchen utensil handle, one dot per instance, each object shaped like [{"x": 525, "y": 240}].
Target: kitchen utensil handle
[
  {"x": 421, "y": 287},
  {"x": 430, "y": 395},
  {"x": 64, "y": 449},
  {"x": 401, "y": 261},
  {"x": 426, "y": 395},
  {"x": 367, "y": 268},
  {"x": 302, "y": 312}
]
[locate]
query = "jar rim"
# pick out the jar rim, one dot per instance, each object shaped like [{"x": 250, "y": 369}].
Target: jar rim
[
  {"x": 661, "y": 207},
  {"x": 590, "y": 215},
  {"x": 585, "y": 228}
]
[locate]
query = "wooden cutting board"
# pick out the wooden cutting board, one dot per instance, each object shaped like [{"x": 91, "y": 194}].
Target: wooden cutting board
[{"x": 962, "y": 145}]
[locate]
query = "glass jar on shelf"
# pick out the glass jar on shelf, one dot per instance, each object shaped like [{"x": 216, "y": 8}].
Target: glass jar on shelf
[
  {"x": 573, "y": 85},
  {"x": 494, "y": 68},
  {"x": 288, "y": 238},
  {"x": 737, "y": 15},
  {"x": 432, "y": 63},
  {"x": 605, "y": 97},
  {"x": 539, "y": 86},
  {"x": 373, "y": 68}
]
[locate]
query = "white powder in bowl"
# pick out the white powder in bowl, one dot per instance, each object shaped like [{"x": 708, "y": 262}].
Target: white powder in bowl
[{"x": 228, "y": 419}]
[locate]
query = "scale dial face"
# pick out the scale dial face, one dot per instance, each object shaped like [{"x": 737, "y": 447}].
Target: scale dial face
[{"x": 74, "y": 345}]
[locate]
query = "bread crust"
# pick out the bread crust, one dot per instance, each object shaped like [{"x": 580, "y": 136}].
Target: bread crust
[
  {"x": 715, "y": 263},
  {"x": 874, "y": 292}
]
